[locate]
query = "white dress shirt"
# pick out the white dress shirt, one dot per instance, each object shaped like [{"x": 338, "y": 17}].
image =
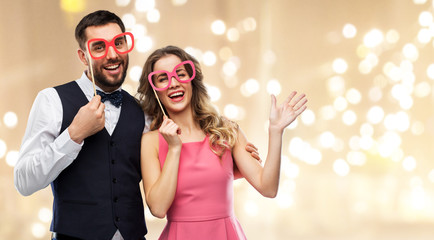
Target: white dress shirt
[{"x": 45, "y": 151}]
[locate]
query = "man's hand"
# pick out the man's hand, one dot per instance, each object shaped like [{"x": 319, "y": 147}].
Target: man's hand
[
  {"x": 253, "y": 150},
  {"x": 89, "y": 120}
]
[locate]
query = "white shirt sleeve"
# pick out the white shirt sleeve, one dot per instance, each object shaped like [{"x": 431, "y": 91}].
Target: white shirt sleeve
[
  {"x": 148, "y": 121},
  {"x": 44, "y": 152}
]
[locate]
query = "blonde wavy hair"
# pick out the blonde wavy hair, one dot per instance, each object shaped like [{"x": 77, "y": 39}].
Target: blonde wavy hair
[{"x": 221, "y": 131}]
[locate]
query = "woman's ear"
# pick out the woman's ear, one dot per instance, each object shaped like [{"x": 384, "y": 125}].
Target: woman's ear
[{"x": 82, "y": 57}]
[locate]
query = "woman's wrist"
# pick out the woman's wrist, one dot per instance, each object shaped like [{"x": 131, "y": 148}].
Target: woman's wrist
[{"x": 275, "y": 129}]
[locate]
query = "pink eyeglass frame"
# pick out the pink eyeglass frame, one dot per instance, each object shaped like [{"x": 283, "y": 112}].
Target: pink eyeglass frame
[
  {"x": 111, "y": 44},
  {"x": 172, "y": 74}
]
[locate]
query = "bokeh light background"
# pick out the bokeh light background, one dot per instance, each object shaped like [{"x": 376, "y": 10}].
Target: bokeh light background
[{"x": 358, "y": 164}]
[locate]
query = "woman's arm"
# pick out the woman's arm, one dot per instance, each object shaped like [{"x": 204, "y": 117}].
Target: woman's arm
[
  {"x": 266, "y": 179},
  {"x": 160, "y": 183}
]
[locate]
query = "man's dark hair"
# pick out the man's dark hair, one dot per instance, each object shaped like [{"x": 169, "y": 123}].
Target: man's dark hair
[{"x": 98, "y": 18}]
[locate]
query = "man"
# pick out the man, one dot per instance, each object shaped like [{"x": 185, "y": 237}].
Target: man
[
  {"x": 87, "y": 148},
  {"x": 94, "y": 173}
]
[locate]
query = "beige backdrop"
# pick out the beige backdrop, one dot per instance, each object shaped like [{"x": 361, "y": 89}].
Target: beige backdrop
[{"x": 357, "y": 165}]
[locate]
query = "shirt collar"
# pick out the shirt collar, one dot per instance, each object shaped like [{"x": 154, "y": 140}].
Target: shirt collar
[{"x": 86, "y": 86}]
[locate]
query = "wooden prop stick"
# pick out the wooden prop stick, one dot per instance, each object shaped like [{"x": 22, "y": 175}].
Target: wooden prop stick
[
  {"x": 159, "y": 102},
  {"x": 91, "y": 72}
]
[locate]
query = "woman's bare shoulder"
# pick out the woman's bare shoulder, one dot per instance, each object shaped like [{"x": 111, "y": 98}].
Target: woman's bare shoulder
[{"x": 151, "y": 136}]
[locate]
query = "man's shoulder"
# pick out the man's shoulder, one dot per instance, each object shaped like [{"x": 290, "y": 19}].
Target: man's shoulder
[{"x": 65, "y": 85}]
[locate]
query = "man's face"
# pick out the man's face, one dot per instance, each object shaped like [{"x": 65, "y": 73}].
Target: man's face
[{"x": 109, "y": 71}]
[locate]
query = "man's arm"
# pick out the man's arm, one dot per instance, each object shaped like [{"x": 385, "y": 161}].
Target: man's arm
[{"x": 44, "y": 152}]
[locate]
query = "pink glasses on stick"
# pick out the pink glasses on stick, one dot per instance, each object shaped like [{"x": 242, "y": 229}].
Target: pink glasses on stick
[
  {"x": 161, "y": 80},
  {"x": 98, "y": 48}
]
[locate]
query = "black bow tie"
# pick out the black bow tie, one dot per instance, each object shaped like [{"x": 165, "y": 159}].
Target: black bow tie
[{"x": 115, "y": 97}]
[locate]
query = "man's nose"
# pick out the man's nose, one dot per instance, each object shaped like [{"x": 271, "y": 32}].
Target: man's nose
[{"x": 111, "y": 52}]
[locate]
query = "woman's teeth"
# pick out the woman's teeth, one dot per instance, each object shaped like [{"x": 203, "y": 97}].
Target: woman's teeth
[{"x": 176, "y": 94}]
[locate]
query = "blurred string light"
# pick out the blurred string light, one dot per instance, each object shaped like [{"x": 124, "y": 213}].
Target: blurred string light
[
  {"x": 373, "y": 38},
  {"x": 129, "y": 20},
  {"x": 410, "y": 52},
  {"x": 153, "y": 16},
  {"x": 341, "y": 167},
  {"x": 10, "y": 119},
  {"x": 349, "y": 30},
  {"x": 353, "y": 96},
  {"x": 234, "y": 112},
  {"x": 233, "y": 35},
  {"x": 285, "y": 197},
  {"x": 196, "y": 53},
  {"x": 122, "y": 3},
  {"x": 409, "y": 163},
  {"x": 3, "y": 148},
  {"x": 251, "y": 208},
  {"x": 290, "y": 169},
  {"x": 12, "y": 158},
  {"x": 144, "y": 5},
  {"x": 135, "y": 73},
  {"x": 303, "y": 151},
  {"x": 274, "y": 87},
  {"x": 425, "y": 18},
  {"x": 249, "y": 87},
  {"x": 340, "y": 104},
  {"x": 356, "y": 158},
  {"x": 213, "y": 92},
  {"x": 327, "y": 139},
  {"x": 45, "y": 214},
  {"x": 308, "y": 117},
  {"x": 73, "y": 6},
  {"x": 269, "y": 57},
  {"x": 209, "y": 58},
  {"x": 419, "y": 1},
  {"x": 327, "y": 112},
  {"x": 349, "y": 117},
  {"x": 340, "y": 66},
  {"x": 218, "y": 27},
  {"x": 336, "y": 85},
  {"x": 179, "y": 2},
  {"x": 417, "y": 128},
  {"x": 248, "y": 24},
  {"x": 225, "y": 53},
  {"x": 39, "y": 230},
  {"x": 392, "y": 36}
]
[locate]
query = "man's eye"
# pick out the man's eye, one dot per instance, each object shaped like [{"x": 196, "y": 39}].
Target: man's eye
[
  {"x": 98, "y": 48},
  {"x": 119, "y": 43}
]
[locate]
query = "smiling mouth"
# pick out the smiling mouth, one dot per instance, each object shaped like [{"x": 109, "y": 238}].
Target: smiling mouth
[
  {"x": 176, "y": 95},
  {"x": 112, "y": 67}
]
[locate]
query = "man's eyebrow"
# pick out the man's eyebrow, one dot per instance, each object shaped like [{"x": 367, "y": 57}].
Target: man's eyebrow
[{"x": 97, "y": 42}]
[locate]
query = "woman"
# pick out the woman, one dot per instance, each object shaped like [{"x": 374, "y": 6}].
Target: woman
[{"x": 187, "y": 159}]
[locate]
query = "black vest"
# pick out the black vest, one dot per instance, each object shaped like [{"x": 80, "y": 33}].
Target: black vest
[{"x": 99, "y": 192}]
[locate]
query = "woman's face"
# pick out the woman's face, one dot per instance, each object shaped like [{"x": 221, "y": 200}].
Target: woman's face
[{"x": 177, "y": 97}]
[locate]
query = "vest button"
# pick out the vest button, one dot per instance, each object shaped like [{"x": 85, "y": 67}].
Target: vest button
[
  {"x": 115, "y": 199},
  {"x": 117, "y": 219},
  {"x": 112, "y": 143},
  {"x": 113, "y": 161},
  {"x": 115, "y": 180}
]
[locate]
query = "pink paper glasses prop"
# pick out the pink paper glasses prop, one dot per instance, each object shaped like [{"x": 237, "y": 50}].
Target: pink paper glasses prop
[
  {"x": 161, "y": 80},
  {"x": 97, "y": 48}
]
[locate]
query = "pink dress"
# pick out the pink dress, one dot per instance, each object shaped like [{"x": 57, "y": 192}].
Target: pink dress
[{"x": 203, "y": 204}]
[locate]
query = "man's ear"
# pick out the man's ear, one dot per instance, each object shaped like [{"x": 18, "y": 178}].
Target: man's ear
[{"x": 82, "y": 57}]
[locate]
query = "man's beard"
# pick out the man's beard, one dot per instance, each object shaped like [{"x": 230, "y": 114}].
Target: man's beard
[{"x": 102, "y": 80}]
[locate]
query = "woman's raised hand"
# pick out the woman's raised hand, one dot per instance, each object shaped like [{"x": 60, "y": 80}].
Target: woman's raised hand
[{"x": 283, "y": 115}]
